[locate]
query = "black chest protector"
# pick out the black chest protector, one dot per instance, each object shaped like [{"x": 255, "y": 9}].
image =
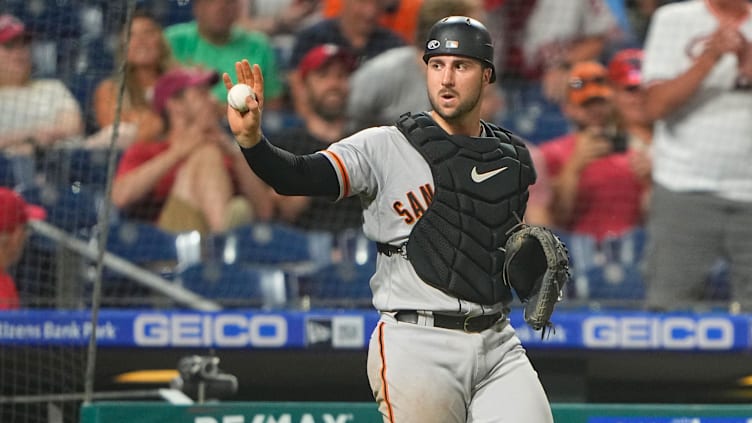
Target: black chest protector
[{"x": 480, "y": 191}]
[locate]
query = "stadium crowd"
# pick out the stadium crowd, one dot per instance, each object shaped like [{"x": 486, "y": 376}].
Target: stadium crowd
[{"x": 637, "y": 120}]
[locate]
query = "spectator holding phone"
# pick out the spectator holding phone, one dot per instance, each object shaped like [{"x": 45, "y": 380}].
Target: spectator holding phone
[{"x": 596, "y": 191}]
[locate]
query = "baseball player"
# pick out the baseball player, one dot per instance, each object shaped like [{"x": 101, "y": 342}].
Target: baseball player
[{"x": 441, "y": 191}]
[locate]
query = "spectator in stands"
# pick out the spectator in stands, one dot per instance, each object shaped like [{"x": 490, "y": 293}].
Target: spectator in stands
[
  {"x": 379, "y": 94},
  {"x": 14, "y": 213},
  {"x": 536, "y": 42},
  {"x": 213, "y": 41},
  {"x": 277, "y": 17},
  {"x": 400, "y": 16},
  {"x": 193, "y": 177},
  {"x": 625, "y": 74},
  {"x": 355, "y": 28},
  {"x": 697, "y": 69},
  {"x": 596, "y": 191},
  {"x": 34, "y": 113},
  {"x": 148, "y": 56},
  {"x": 325, "y": 73}
]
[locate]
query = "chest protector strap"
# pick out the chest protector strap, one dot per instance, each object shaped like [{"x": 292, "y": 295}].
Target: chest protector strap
[{"x": 480, "y": 189}]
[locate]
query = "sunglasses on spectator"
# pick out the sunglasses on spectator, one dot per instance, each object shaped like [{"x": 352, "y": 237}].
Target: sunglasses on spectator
[{"x": 579, "y": 83}]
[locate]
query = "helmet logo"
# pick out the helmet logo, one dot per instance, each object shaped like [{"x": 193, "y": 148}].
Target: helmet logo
[
  {"x": 452, "y": 44},
  {"x": 433, "y": 44}
]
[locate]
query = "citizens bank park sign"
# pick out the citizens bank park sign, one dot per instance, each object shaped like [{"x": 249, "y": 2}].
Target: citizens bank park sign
[{"x": 351, "y": 330}]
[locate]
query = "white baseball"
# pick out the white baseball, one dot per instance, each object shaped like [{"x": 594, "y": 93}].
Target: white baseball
[{"x": 237, "y": 95}]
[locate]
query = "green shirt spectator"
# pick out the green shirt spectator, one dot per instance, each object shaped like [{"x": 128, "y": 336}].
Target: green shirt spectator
[{"x": 190, "y": 48}]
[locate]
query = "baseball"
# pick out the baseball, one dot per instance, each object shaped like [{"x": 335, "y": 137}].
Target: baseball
[{"x": 237, "y": 95}]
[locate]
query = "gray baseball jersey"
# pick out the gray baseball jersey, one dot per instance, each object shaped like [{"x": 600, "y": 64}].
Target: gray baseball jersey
[{"x": 420, "y": 373}]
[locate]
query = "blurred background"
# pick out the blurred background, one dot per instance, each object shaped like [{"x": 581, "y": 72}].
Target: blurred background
[{"x": 124, "y": 200}]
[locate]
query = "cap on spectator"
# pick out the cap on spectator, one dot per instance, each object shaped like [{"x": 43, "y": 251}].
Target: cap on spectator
[
  {"x": 10, "y": 28},
  {"x": 624, "y": 70},
  {"x": 587, "y": 81},
  {"x": 321, "y": 55},
  {"x": 176, "y": 80},
  {"x": 14, "y": 211}
]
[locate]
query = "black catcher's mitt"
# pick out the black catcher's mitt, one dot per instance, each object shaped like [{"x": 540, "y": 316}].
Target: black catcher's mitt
[{"x": 537, "y": 267}]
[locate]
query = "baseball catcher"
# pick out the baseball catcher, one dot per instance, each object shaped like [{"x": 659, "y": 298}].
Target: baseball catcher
[{"x": 537, "y": 267}]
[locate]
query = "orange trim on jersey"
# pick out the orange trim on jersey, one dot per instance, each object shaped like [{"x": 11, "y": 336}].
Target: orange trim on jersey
[
  {"x": 389, "y": 410},
  {"x": 343, "y": 171}
]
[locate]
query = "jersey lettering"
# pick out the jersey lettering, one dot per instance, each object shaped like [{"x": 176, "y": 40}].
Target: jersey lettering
[
  {"x": 417, "y": 208},
  {"x": 400, "y": 209}
]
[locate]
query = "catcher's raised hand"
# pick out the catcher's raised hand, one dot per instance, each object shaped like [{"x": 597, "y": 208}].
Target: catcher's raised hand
[{"x": 247, "y": 126}]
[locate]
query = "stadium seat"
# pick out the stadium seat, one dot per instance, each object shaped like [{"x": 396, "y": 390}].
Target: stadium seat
[
  {"x": 529, "y": 115},
  {"x": 89, "y": 166},
  {"x": 263, "y": 243},
  {"x": 69, "y": 207},
  {"x": 583, "y": 255},
  {"x": 613, "y": 281},
  {"x": 627, "y": 248},
  {"x": 141, "y": 242},
  {"x": 340, "y": 284},
  {"x": 236, "y": 284},
  {"x": 16, "y": 171}
]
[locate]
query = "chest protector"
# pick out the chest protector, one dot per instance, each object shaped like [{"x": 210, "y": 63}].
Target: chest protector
[{"x": 480, "y": 191}]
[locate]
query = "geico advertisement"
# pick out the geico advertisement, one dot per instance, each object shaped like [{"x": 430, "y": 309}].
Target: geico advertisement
[
  {"x": 204, "y": 330},
  {"x": 646, "y": 332}
]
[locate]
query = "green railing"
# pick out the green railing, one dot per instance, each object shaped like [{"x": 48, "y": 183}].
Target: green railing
[{"x": 301, "y": 412}]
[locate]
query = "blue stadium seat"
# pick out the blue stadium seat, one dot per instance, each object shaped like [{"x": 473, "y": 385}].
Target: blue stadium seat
[
  {"x": 613, "y": 281},
  {"x": 627, "y": 248},
  {"x": 346, "y": 284},
  {"x": 69, "y": 207},
  {"x": 263, "y": 243},
  {"x": 89, "y": 166},
  {"x": 530, "y": 115},
  {"x": 16, "y": 171},
  {"x": 583, "y": 255},
  {"x": 237, "y": 285},
  {"x": 141, "y": 242}
]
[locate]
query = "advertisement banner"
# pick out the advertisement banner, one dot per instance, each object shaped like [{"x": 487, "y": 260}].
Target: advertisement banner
[{"x": 351, "y": 329}]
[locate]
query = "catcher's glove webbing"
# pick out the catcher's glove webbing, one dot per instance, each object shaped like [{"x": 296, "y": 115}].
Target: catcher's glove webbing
[{"x": 537, "y": 267}]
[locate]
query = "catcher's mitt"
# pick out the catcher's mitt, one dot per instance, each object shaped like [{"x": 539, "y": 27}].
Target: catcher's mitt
[{"x": 537, "y": 267}]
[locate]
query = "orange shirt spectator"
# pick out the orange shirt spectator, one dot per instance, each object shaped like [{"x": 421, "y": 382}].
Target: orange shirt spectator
[{"x": 401, "y": 18}]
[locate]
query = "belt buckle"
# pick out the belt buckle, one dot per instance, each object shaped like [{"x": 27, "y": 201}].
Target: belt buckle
[{"x": 466, "y": 323}]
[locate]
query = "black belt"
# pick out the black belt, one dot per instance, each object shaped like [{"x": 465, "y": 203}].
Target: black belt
[
  {"x": 453, "y": 321},
  {"x": 390, "y": 250}
]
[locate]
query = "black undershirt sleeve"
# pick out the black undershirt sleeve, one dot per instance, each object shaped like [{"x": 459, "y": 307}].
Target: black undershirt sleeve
[{"x": 289, "y": 174}]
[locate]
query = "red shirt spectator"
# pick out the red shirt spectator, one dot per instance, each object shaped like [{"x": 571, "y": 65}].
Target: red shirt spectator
[{"x": 14, "y": 214}]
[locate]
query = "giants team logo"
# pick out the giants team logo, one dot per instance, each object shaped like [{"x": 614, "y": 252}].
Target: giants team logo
[{"x": 433, "y": 44}]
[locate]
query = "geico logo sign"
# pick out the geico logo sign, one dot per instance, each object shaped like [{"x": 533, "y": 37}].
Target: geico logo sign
[
  {"x": 198, "y": 330},
  {"x": 283, "y": 418},
  {"x": 651, "y": 332}
]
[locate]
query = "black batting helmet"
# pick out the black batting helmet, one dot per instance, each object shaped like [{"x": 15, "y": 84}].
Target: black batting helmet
[{"x": 460, "y": 36}]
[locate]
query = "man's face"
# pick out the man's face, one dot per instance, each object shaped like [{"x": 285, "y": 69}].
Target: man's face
[
  {"x": 363, "y": 14},
  {"x": 328, "y": 88},
  {"x": 197, "y": 104},
  {"x": 593, "y": 113},
  {"x": 630, "y": 103},
  {"x": 15, "y": 59},
  {"x": 216, "y": 17},
  {"x": 455, "y": 85}
]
